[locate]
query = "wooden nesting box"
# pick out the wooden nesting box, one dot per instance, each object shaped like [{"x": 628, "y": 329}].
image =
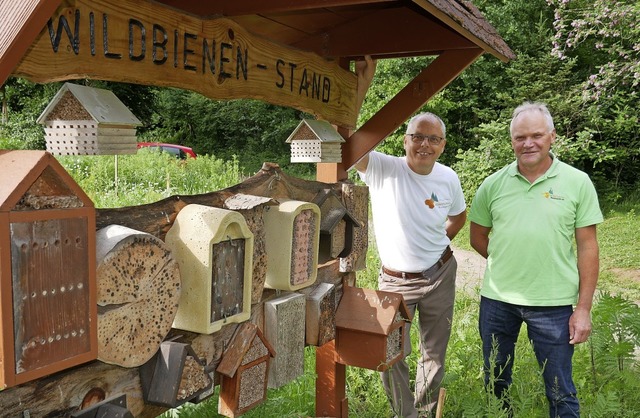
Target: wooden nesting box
[
  {"x": 214, "y": 250},
  {"x": 336, "y": 227},
  {"x": 252, "y": 208},
  {"x": 370, "y": 328},
  {"x": 320, "y": 319},
  {"x": 47, "y": 269},
  {"x": 284, "y": 323},
  {"x": 245, "y": 369},
  {"x": 292, "y": 234},
  {"x": 83, "y": 120},
  {"x": 173, "y": 376},
  {"x": 315, "y": 141}
]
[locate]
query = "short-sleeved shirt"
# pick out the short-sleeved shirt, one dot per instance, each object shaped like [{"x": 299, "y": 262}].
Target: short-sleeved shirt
[
  {"x": 410, "y": 211},
  {"x": 531, "y": 254}
]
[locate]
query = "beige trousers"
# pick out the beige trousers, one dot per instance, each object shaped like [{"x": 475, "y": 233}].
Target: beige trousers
[{"x": 432, "y": 296}]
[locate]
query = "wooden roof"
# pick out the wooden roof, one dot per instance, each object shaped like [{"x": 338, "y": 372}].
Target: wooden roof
[
  {"x": 21, "y": 169},
  {"x": 330, "y": 28},
  {"x": 102, "y": 105}
]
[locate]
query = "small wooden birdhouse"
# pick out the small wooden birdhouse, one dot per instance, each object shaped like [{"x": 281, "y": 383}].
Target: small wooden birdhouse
[
  {"x": 370, "y": 328},
  {"x": 245, "y": 369},
  {"x": 336, "y": 227},
  {"x": 47, "y": 269},
  {"x": 315, "y": 141},
  {"x": 83, "y": 120},
  {"x": 214, "y": 250},
  {"x": 292, "y": 234},
  {"x": 173, "y": 376}
]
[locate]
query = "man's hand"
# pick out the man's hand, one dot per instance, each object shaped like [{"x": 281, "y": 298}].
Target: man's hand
[
  {"x": 365, "y": 70},
  {"x": 579, "y": 326}
]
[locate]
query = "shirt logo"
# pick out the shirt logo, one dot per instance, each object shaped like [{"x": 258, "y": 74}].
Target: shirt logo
[
  {"x": 551, "y": 195},
  {"x": 431, "y": 202}
]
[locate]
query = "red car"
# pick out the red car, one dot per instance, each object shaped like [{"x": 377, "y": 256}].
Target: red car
[{"x": 179, "y": 151}]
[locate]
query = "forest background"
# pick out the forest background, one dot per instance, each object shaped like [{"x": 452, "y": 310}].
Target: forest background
[{"x": 581, "y": 57}]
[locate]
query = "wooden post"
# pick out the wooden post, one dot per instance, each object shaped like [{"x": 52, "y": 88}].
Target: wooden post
[
  {"x": 441, "y": 396},
  {"x": 331, "y": 399}
]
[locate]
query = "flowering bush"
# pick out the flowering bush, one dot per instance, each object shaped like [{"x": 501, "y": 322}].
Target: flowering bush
[{"x": 612, "y": 29}]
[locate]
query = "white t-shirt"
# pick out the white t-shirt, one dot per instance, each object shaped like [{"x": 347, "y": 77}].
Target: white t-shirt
[{"x": 410, "y": 210}]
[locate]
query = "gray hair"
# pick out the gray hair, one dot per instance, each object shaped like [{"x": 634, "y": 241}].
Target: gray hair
[
  {"x": 532, "y": 107},
  {"x": 427, "y": 116}
]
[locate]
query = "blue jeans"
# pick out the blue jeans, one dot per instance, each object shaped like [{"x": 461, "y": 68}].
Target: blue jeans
[{"x": 548, "y": 331}]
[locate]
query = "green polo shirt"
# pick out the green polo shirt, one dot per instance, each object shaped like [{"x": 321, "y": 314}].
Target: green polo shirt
[{"x": 532, "y": 258}]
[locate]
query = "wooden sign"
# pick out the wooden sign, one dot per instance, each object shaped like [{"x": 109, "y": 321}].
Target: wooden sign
[{"x": 143, "y": 43}]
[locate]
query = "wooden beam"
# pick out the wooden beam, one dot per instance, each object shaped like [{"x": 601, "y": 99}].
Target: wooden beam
[
  {"x": 331, "y": 400},
  {"x": 246, "y": 7},
  {"x": 425, "y": 85},
  {"x": 334, "y": 172},
  {"x": 21, "y": 22}
]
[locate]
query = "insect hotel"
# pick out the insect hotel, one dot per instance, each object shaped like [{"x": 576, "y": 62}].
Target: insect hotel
[
  {"x": 315, "y": 141},
  {"x": 292, "y": 233},
  {"x": 336, "y": 227},
  {"x": 214, "y": 249},
  {"x": 370, "y": 328},
  {"x": 174, "y": 375},
  {"x": 83, "y": 120},
  {"x": 245, "y": 371},
  {"x": 47, "y": 269}
]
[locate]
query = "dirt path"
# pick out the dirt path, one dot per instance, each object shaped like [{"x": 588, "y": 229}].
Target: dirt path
[{"x": 470, "y": 269}]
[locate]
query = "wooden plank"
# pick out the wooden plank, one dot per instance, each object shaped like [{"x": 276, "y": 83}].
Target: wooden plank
[
  {"x": 240, "y": 344},
  {"x": 51, "y": 300},
  {"x": 142, "y": 43}
]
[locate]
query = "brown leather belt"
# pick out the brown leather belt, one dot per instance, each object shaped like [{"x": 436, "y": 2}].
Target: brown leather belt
[{"x": 446, "y": 255}]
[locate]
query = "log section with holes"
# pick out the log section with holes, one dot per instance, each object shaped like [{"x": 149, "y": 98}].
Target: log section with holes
[{"x": 138, "y": 292}]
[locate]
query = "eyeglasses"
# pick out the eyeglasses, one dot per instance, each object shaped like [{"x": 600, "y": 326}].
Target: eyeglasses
[{"x": 419, "y": 138}]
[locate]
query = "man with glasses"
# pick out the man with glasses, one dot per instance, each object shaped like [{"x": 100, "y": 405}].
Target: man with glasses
[
  {"x": 524, "y": 220},
  {"x": 418, "y": 208}
]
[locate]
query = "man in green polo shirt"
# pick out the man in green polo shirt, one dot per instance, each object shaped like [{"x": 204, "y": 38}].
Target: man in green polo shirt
[{"x": 525, "y": 219}]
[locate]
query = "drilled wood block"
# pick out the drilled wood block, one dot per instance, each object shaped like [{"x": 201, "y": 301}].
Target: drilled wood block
[
  {"x": 285, "y": 330},
  {"x": 320, "y": 314}
]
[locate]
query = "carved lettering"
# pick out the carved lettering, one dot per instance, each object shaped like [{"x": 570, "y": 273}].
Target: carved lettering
[
  {"x": 159, "y": 33},
  {"x": 105, "y": 39},
  {"x": 220, "y": 57},
  {"x": 208, "y": 56},
  {"x": 134, "y": 23},
  {"x": 63, "y": 24}
]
